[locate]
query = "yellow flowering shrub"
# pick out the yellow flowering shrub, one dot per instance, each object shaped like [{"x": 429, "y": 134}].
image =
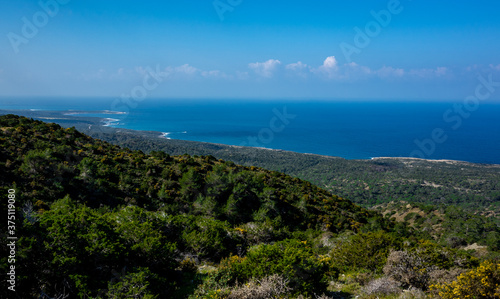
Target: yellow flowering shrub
[{"x": 482, "y": 282}]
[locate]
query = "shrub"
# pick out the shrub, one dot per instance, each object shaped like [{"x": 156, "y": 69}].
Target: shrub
[
  {"x": 213, "y": 286},
  {"x": 132, "y": 285},
  {"x": 259, "y": 232},
  {"x": 209, "y": 239},
  {"x": 408, "y": 268},
  {"x": 482, "y": 282},
  {"x": 382, "y": 286},
  {"x": 292, "y": 259},
  {"x": 413, "y": 293},
  {"x": 363, "y": 251},
  {"x": 203, "y": 237},
  {"x": 440, "y": 276},
  {"x": 274, "y": 286},
  {"x": 188, "y": 265},
  {"x": 443, "y": 257}
]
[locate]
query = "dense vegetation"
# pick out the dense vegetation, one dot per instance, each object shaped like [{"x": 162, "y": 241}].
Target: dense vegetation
[
  {"x": 450, "y": 225},
  {"x": 366, "y": 182},
  {"x": 474, "y": 187},
  {"x": 99, "y": 221}
]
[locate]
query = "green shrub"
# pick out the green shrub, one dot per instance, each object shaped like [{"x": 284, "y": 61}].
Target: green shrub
[
  {"x": 293, "y": 259},
  {"x": 131, "y": 285},
  {"x": 208, "y": 238},
  {"x": 443, "y": 257},
  {"x": 363, "y": 251}
]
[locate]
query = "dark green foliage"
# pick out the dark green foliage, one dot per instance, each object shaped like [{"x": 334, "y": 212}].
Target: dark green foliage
[
  {"x": 364, "y": 250},
  {"x": 366, "y": 182},
  {"x": 293, "y": 259},
  {"x": 86, "y": 246},
  {"x": 453, "y": 226},
  {"x": 442, "y": 257},
  {"x": 132, "y": 285},
  {"x": 95, "y": 173},
  {"x": 98, "y": 210},
  {"x": 97, "y": 220},
  {"x": 462, "y": 227}
]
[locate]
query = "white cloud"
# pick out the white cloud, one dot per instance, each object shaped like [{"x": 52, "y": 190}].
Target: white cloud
[
  {"x": 329, "y": 68},
  {"x": 390, "y": 72},
  {"x": 354, "y": 70},
  {"x": 181, "y": 71},
  {"x": 496, "y": 68},
  {"x": 330, "y": 63},
  {"x": 429, "y": 73},
  {"x": 332, "y": 70},
  {"x": 298, "y": 66},
  {"x": 242, "y": 75},
  {"x": 298, "y": 69},
  {"x": 215, "y": 74},
  {"x": 186, "y": 69},
  {"x": 441, "y": 71},
  {"x": 265, "y": 69}
]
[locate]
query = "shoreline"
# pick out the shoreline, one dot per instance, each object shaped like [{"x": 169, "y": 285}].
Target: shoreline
[{"x": 72, "y": 116}]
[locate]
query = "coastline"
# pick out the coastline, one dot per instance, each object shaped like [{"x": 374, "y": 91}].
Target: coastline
[{"x": 84, "y": 120}]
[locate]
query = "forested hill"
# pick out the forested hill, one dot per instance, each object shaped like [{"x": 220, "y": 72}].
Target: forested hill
[
  {"x": 475, "y": 187},
  {"x": 45, "y": 162},
  {"x": 94, "y": 220},
  {"x": 90, "y": 205}
]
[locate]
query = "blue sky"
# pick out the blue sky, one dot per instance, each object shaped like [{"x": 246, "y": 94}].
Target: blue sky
[{"x": 416, "y": 50}]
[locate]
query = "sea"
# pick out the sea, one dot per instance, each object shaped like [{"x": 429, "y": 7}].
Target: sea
[{"x": 361, "y": 129}]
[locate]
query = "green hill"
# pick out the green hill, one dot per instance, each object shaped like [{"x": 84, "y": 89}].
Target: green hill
[
  {"x": 95, "y": 220},
  {"x": 474, "y": 187},
  {"x": 471, "y": 186},
  {"x": 46, "y": 162}
]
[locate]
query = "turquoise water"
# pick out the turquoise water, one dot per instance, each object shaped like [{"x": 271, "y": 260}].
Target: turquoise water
[{"x": 353, "y": 130}]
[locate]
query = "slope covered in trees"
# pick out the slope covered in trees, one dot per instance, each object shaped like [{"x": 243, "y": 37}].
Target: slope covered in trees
[
  {"x": 98, "y": 221},
  {"x": 475, "y": 187},
  {"x": 366, "y": 182}
]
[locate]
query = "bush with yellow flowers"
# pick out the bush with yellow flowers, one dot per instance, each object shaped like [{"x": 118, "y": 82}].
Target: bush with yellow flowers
[{"x": 482, "y": 282}]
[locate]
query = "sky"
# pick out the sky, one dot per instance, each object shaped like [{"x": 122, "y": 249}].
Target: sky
[{"x": 391, "y": 50}]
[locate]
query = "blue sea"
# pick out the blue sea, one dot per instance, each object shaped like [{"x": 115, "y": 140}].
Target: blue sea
[{"x": 348, "y": 129}]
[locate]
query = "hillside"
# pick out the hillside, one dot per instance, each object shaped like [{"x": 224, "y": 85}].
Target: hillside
[
  {"x": 95, "y": 220},
  {"x": 451, "y": 225},
  {"x": 475, "y": 187},
  {"x": 366, "y": 182}
]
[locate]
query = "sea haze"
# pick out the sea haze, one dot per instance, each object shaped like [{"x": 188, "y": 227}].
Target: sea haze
[{"x": 352, "y": 130}]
